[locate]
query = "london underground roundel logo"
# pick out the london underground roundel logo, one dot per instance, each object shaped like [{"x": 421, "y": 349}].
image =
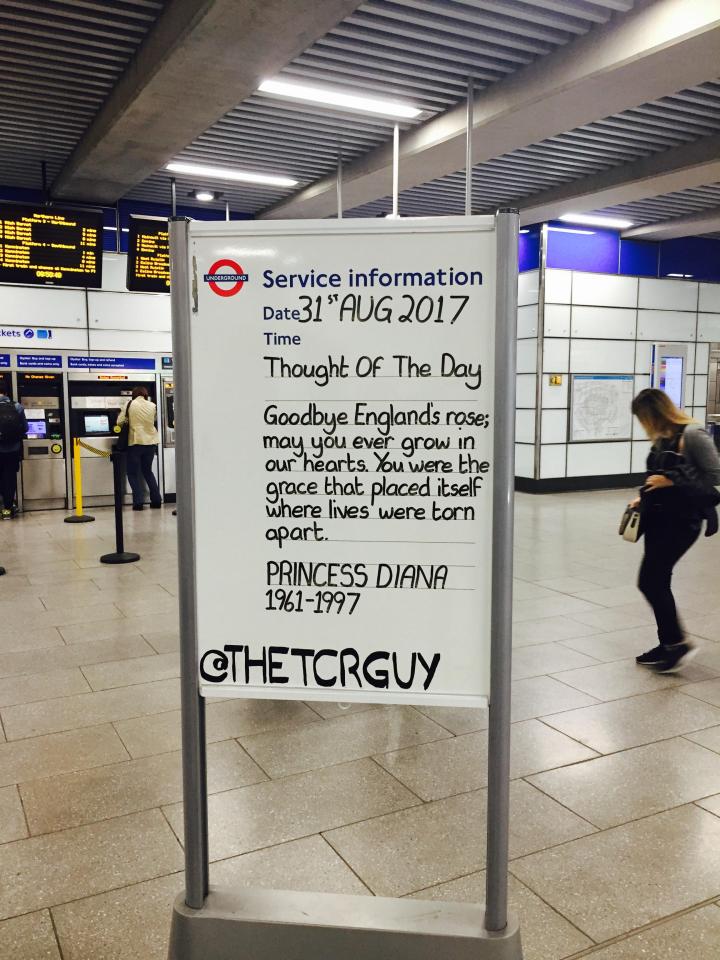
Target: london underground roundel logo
[{"x": 226, "y": 271}]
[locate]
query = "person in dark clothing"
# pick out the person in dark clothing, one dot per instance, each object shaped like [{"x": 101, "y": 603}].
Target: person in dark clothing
[
  {"x": 11, "y": 448},
  {"x": 681, "y": 490}
]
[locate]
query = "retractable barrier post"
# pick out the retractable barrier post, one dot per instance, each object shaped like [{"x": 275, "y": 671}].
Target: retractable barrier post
[
  {"x": 120, "y": 555},
  {"x": 78, "y": 516},
  {"x": 2, "y": 571}
]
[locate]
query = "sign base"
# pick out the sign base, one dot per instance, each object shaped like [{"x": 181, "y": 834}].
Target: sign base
[{"x": 266, "y": 924}]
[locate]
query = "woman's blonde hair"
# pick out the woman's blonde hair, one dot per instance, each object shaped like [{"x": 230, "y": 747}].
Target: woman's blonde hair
[{"x": 657, "y": 413}]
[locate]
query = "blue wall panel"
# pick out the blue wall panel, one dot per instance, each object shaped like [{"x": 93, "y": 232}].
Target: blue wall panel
[
  {"x": 597, "y": 251},
  {"x": 639, "y": 258},
  {"x": 697, "y": 257}
]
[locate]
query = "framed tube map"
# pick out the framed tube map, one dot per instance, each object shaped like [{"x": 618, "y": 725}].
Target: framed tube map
[{"x": 600, "y": 407}]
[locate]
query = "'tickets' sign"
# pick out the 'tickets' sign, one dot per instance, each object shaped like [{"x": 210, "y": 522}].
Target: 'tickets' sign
[{"x": 343, "y": 432}]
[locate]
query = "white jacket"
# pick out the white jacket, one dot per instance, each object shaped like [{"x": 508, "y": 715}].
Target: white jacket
[{"x": 142, "y": 422}]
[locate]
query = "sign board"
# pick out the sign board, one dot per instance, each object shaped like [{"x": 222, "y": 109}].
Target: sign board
[
  {"x": 342, "y": 374},
  {"x": 148, "y": 259},
  {"x": 600, "y": 407},
  {"x": 669, "y": 361},
  {"x": 39, "y": 361},
  {"x": 111, "y": 363},
  {"x": 4, "y": 359},
  {"x": 50, "y": 245}
]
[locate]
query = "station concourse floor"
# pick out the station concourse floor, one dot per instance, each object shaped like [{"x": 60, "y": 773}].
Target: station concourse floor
[{"x": 615, "y": 819}]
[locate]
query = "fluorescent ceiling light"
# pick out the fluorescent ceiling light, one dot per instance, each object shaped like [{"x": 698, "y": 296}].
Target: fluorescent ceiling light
[
  {"x": 225, "y": 173},
  {"x": 613, "y": 223},
  {"x": 525, "y": 231},
  {"x": 681, "y": 276},
  {"x": 114, "y": 229},
  {"x": 334, "y": 98},
  {"x": 585, "y": 233}
]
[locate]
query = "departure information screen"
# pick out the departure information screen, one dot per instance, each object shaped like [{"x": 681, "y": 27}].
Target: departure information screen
[
  {"x": 148, "y": 262},
  {"x": 47, "y": 245}
]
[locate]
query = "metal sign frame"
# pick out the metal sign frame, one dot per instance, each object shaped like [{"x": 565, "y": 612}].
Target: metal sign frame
[{"x": 266, "y": 924}]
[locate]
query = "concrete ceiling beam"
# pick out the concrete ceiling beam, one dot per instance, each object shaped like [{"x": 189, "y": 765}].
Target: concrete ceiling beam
[
  {"x": 201, "y": 59},
  {"x": 655, "y": 50},
  {"x": 680, "y": 168},
  {"x": 693, "y": 226}
]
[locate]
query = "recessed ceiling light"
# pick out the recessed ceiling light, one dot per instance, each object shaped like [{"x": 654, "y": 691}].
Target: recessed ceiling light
[
  {"x": 612, "y": 223},
  {"x": 585, "y": 233},
  {"x": 225, "y": 173},
  {"x": 335, "y": 98},
  {"x": 205, "y": 195}
]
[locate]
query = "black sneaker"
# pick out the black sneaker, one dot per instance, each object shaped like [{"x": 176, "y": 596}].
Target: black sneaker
[
  {"x": 676, "y": 656},
  {"x": 652, "y": 657}
]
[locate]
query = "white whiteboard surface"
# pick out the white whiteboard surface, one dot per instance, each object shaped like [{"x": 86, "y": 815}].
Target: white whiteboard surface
[
  {"x": 600, "y": 407},
  {"x": 419, "y": 589}
]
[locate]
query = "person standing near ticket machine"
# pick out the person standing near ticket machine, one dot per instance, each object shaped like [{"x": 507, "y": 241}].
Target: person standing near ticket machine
[
  {"x": 13, "y": 427},
  {"x": 141, "y": 415}
]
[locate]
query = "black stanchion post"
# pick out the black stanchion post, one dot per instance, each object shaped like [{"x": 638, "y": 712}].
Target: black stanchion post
[
  {"x": 2, "y": 571},
  {"x": 120, "y": 555}
]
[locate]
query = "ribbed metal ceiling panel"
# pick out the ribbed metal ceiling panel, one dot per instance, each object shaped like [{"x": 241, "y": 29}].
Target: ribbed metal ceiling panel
[
  {"x": 418, "y": 51},
  {"x": 58, "y": 63},
  {"x": 628, "y": 136},
  {"x": 679, "y": 204}
]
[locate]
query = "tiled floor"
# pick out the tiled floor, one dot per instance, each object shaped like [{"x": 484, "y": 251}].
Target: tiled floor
[{"x": 615, "y": 801}]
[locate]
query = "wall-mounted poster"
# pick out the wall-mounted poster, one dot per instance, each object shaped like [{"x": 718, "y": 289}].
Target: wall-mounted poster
[{"x": 600, "y": 407}]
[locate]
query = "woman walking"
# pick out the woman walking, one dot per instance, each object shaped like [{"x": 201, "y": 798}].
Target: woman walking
[
  {"x": 681, "y": 490},
  {"x": 142, "y": 446}
]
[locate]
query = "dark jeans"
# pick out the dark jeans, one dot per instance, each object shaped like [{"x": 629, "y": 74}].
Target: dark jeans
[
  {"x": 9, "y": 466},
  {"x": 140, "y": 458},
  {"x": 666, "y": 540}
]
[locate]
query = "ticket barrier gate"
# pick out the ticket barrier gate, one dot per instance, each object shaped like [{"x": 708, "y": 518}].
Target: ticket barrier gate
[
  {"x": 96, "y": 401},
  {"x": 44, "y": 469}
]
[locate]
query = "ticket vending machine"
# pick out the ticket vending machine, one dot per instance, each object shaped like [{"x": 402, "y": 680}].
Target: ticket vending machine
[
  {"x": 43, "y": 471},
  {"x": 168, "y": 437},
  {"x": 96, "y": 400}
]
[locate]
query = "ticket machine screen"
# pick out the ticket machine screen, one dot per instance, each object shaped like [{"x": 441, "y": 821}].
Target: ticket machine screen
[
  {"x": 97, "y": 424},
  {"x": 37, "y": 429}
]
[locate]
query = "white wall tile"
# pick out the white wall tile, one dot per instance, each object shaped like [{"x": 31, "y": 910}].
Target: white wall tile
[
  {"x": 525, "y": 426},
  {"x": 665, "y": 325},
  {"x": 525, "y": 390},
  {"x": 700, "y": 413},
  {"x": 526, "y": 356},
  {"x": 689, "y": 392},
  {"x": 668, "y": 294},
  {"x": 709, "y": 327},
  {"x": 524, "y": 460},
  {"x": 598, "y": 459},
  {"x": 554, "y": 426},
  {"x": 42, "y": 307},
  {"x": 702, "y": 358},
  {"x": 557, "y": 286},
  {"x": 114, "y": 272},
  {"x": 557, "y": 320},
  {"x": 134, "y": 341},
  {"x": 607, "y": 323},
  {"x": 603, "y": 290},
  {"x": 643, "y": 358},
  {"x": 129, "y": 311},
  {"x": 528, "y": 287},
  {"x": 709, "y": 298},
  {"x": 552, "y": 461},
  {"x": 699, "y": 396},
  {"x": 556, "y": 354},
  {"x": 63, "y": 338},
  {"x": 640, "y": 450},
  {"x": 602, "y": 356},
  {"x": 690, "y": 365},
  {"x": 527, "y": 321},
  {"x": 555, "y": 397}
]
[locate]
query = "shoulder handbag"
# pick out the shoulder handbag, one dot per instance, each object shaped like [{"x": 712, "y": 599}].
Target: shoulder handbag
[
  {"x": 631, "y": 528},
  {"x": 123, "y": 437}
]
